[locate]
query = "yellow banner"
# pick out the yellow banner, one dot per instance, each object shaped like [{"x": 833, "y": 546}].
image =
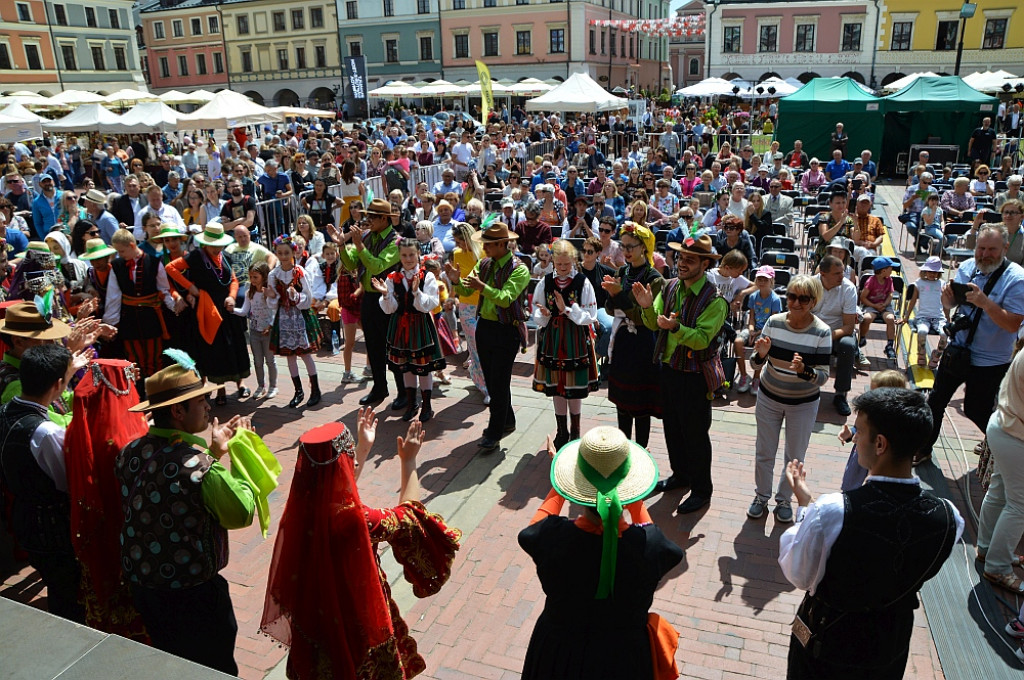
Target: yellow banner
[{"x": 486, "y": 96}]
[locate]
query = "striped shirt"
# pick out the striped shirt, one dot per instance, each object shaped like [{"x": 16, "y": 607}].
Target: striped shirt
[{"x": 813, "y": 344}]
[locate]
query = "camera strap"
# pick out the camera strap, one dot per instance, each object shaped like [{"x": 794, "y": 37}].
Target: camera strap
[{"x": 989, "y": 287}]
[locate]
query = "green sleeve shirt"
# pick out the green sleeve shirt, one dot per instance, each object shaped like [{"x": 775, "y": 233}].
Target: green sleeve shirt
[
  {"x": 490, "y": 297},
  {"x": 700, "y": 336},
  {"x": 373, "y": 265}
]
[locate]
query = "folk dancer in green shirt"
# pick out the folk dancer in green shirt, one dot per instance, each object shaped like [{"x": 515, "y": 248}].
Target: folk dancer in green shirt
[
  {"x": 502, "y": 280},
  {"x": 688, "y": 315}
]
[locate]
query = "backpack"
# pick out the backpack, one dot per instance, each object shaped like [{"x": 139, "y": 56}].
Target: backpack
[{"x": 395, "y": 179}]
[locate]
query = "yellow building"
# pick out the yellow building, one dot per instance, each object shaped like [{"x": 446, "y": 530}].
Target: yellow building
[
  {"x": 918, "y": 36},
  {"x": 283, "y": 54}
]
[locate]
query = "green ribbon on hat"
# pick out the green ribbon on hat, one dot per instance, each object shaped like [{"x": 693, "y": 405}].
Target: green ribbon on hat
[{"x": 609, "y": 508}]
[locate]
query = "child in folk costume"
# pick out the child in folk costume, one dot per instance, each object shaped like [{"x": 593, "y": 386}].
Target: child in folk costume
[
  {"x": 414, "y": 350},
  {"x": 565, "y": 307},
  {"x": 449, "y": 340},
  {"x": 260, "y": 310},
  {"x": 296, "y": 331},
  {"x": 325, "y": 289}
]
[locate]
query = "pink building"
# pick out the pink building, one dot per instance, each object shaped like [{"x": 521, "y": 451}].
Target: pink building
[{"x": 184, "y": 46}]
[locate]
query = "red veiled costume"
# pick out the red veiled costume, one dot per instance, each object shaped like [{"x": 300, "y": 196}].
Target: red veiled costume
[
  {"x": 100, "y": 427},
  {"x": 327, "y": 597}
]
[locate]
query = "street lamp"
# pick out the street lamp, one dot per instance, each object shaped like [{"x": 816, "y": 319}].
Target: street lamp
[{"x": 967, "y": 11}]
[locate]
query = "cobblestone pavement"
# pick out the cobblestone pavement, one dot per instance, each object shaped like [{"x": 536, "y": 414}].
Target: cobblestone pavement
[{"x": 728, "y": 598}]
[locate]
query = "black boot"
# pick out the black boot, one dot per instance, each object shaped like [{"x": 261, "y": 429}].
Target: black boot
[
  {"x": 403, "y": 400},
  {"x": 314, "y": 390},
  {"x": 410, "y": 399},
  {"x": 562, "y": 435},
  {"x": 299, "y": 395},
  {"x": 574, "y": 426},
  {"x": 426, "y": 413}
]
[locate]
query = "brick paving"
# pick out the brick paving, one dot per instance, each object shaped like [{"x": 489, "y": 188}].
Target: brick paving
[{"x": 728, "y": 598}]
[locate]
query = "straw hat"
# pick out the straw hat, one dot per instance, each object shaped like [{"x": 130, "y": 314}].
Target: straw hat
[
  {"x": 95, "y": 248},
  {"x": 605, "y": 449},
  {"x": 701, "y": 247},
  {"x": 379, "y": 206},
  {"x": 25, "y": 321},
  {"x": 167, "y": 231},
  {"x": 213, "y": 235},
  {"x": 173, "y": 385},
  {"x": 497, "y": 232},
  {"x": 96, "y": 196}
]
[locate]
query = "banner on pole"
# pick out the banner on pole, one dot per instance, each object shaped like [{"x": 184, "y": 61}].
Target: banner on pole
[
  {"x": 486, "y": 95},
  {"x": 355, "y": 67}
]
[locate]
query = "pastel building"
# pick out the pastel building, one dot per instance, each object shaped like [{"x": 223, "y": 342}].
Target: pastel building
[
  {"x": 26, "y": 51},
  {"x": 95, "y": 45},
  {"x": 686, "y": 52},
  {"x": 184, "y": 45}
]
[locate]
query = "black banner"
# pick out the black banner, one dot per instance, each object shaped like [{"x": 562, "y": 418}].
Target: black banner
[{"x": 356, "y": 69}]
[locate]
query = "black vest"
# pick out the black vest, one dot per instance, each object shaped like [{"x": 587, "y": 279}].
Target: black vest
[
  {"x": 41, "y": 514},
  {"x": 137, "y": 322}
]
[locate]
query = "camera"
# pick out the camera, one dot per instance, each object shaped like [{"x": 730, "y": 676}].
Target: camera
[{"x": 959, "y": 322}]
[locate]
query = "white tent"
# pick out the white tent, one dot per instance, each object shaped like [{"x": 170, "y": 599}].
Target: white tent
[
  {"x": 86, "y": 118},
  {"x": 989, "y": 81},
  {"x": 19, "y": 112},
  {"x": 441, "y": 88},
  {"x": 14, "y": 130},
  {"x": 144, "y": 118},
  {"x": 529, "y": 87},
  {"x": 782, "y": 88},
  {"x": 496, "y": 88},
  {"x": 129, "y": 95},
  {"x": 903, "y": 82},
  {"x": 300, "y": 112},
  {"x": 176, "y": 97},
  {"x": 203, "y": 95},
  {"x": 708, "y": 87},
  {"x": 72, "y": 98},
  {"x": 579, "y": 93},
  {"x": 394, "y": 89},
  {"x": 228, "y": 109},
  {"x": 25, "y": 99}
]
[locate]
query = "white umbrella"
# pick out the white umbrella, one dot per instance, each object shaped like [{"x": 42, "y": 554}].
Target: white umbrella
[
  {"x": 228, "y": 109},
  {"x": 302, "y": 112},
  {"x": 441, "y": 88},
  {"x": 130, "y": 95},
  {"x": 73, "y": 97},
  {"x": 529, "y": 86},
  {"x": 474, "y": 88},
  {"x": 907, "y": 80},
  {"x": 782, "y": 88},
  {"x": 394, "y": 89},
  {"x": 25, "y": 99}
]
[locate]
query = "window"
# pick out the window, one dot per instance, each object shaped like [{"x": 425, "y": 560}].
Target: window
[
  {"x": 945, "y": 37},
  {"x": 213, "y": 24},
  {"x": 320, "y": 56},
  {"x": 278, "y": 19},
  {"x": 769, "y": 39},
  {"x": 282, "y": 59},
  {"x": 97, "y": 57},
  {"x": 593, "y": 42},
  {"x": 426, "y": 48},
  {"x": 158, "y": 30},
  {"x": 458, "y": 4},
  {"x": 901, "y": 35},
  {"x": 522, "y": 2},
  {"x": 5, "y": 58},
  {"x": 423, "y": 6},
  {"x": 218, "y": 62},
  {"x": 24, "y": 13},
  {"x": 247, "y": 62},
  {"x": 731, "y": 39},
  {"x": 243, "y": 24},
  {"x": 298, "y": 19},
  {"x": 355, "y": 48},
  {"x": 630, "y": 47},
  {"x": 491, "y": 44},
  {"x": 115, "y": 18},
  {"x": 67, "y": 52},
  {"x": 352, "y": 9},
  {"x": 177, "y": 28},
  {"x": 851, "y": 37},
  {"x": 60, "y": 15},
  {"x": 694, "y": 67},
  {"x": 300, "y": 57},
  {"x": 120, "y": 58},
  {"x": 995, "y": 34},
  {"x": 623, "y": 50},
  {"x": 200, "y": 64},
  {"x": 557, "y": 39},
  {"x": 604, "y": 39},
  {"x": 316, "y": 17},
  {"x": 805, "y": 38},
  {"x": 391, "y": 51},
  {"x": 90, "y": 17},
  {"x": 523, "y": 45},
  {"x": 197, "y": 26},
  {"x": 461, "y": 46},
  {"x": 182, "y": 65},
  {"x": 490, "y": 3},
  {"x": 165, "y": 70},
  {"x": 611, "y": 40},
  {"x": 389, "y": 8}
]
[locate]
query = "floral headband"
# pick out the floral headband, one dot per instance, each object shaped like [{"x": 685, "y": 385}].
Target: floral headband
[{"x": 286, "y": 240}]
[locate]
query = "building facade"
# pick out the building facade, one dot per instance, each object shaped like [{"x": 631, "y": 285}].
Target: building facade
[
  {"x": 915, "y": 36},
  {"x": 26, "y": 51},
  {"x": 400, "y": 39},
  {"x": 95, "y": 45},
  {"x": 800, "y": 39},
  {"x": 686, "y": 52},
  {"x": 184, "y": 46}
]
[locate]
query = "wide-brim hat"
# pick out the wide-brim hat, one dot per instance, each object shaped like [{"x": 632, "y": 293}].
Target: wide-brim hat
[
  {"x": 167, "y": 231},
  {"x": 379, "y": 206},
  {"x": 173, "y": 385},
  {"x": 932, "y": 264},
  {"x": 95, "y": 248},
  {"x": 604, "y": 449},
  {"x": 496, "y": 233},
  {"x": 213, "y": 235},
  {"x": 840, "y": 242},
  {"x": 701, "y": 247},
  {"x": 96, "y": 196},
  {"x": 25, "y": 321}
]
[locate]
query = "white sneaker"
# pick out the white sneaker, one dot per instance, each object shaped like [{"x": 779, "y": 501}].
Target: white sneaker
[
  {"x": 743, "y": 384},
  {"x": 862, "y": 360},
  {"x": 755, "y": 385},
  {"x": 260, "y": 392},
  {"x": 349, "y": 377},
  {"x": 272, "y": 393}
]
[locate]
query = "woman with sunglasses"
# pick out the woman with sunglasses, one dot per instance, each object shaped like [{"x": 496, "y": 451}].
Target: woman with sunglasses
[
  {"x": 69, "y": 212},
  {"x": 794, "y": 351},
  {"x": 613, "y": 200},
  {"x": 982, "y": 185},
  {"x": 690, "y": 181},
  {"x": 83, "y": 230}
]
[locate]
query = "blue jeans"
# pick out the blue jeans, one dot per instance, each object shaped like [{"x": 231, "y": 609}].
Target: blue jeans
[{"x": 605, "y": 321}]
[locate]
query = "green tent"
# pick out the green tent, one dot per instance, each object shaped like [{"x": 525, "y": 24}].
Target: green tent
[
  {"x": 811, "y": 114},
  {"x": 943, "y": 107}
]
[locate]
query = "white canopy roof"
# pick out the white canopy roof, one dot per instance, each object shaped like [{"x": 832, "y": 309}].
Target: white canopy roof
[
  {"x": 130, "y": 95},
  {"x": 579, "y": 93},
  {"x": 176, "y": 97},
  {"x": 782, "y": 88},
  {"x": 74, "y": 97},
  {"x": 907, "y": 80},
  {"x": 300, "y": 112},
  {"x": 14, "y": 130},
  {"x": 989, "y": 81},
  {"x": 441, "y": 88},
  {"x": 707, "y": 88},
  {"x": 530, "y": 86},
  {"x": 395, "y": 89},
  {"x": 145, "y": 117},
  {"x": 19, "y": 112},
  {"x": 85, "y": 118},
  {"x": 25, "y": 99},
  {"x": 474, "y": 88},
  {"x": 228, "y": 109}
]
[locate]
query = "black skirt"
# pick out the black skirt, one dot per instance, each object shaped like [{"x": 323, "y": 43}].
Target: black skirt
[{"x": 632, "y": 374}]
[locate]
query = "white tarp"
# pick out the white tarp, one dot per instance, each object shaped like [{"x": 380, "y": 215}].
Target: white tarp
[
  {"x": 579, "y": 93},
  {"x": 989, "y": 81},
  {"x": 708, "y": 87},
  {"x": 145, "y": 118},
  {"x": 228, "y": 109},
  {"x": 86, "y": 118}
]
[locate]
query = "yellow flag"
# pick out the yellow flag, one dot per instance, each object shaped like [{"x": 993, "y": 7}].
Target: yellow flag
[{"x": 486, "y": 96}]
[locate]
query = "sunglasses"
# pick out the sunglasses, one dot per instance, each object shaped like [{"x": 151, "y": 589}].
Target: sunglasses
[
  {"x": 802, "y": 299},
  {"x": 629, "y": 247},
  {"x": 587, "y": 251},
  {"x": 734, "y": 228},
  {"x": 93, "y": 232},
  {"x": 982, "y": 174},
  {"x": 605, "y": 231}
]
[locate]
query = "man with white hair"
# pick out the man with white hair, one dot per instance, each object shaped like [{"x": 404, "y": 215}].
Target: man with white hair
[
  {"x": 914, "y": 201},
  {"x": 155, "y": 204},
  {"x": 1013, "y": 183}
]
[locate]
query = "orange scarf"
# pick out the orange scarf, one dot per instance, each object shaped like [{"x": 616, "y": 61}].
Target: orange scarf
[{"x": 208, "y": 316}]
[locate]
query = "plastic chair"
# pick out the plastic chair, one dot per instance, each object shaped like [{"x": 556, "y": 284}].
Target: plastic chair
[
  {"x": 778, "y": 243},
  {"x": 781, "y": 260}
]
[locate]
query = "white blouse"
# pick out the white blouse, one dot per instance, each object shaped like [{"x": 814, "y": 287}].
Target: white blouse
[
  {"x": 581, "y": 315},
  {"x": 425, "y": 299}
]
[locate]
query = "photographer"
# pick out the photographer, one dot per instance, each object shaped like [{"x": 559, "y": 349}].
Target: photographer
[
  {"x": 988, "y": 293},
  {"x": 1011, "y": 214}
]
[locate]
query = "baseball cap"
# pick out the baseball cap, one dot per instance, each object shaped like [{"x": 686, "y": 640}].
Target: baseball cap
[
  {"x": 765, "y": 271},
  {"x": 508, "y": 202},
  {"x": 863, "y": 197},
  {"x": 881, "y": 263}
]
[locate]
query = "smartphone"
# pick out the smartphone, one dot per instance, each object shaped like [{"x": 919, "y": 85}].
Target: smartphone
[
  {"x": 857, "y": 183},
  {"x": 992, "y": 217},
  {"x": 960, "y": 291}
]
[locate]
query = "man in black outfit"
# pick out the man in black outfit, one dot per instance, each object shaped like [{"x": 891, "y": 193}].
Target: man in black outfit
[
  {"x": 979, "y": 146},
  {"x": 128, "y": 204}
]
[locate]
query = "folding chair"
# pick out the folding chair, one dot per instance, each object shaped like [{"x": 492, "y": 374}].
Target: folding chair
[
  {"x": 782, "y": 244},
  {"x": 661, "y": 240},
  {"x": 556, "y": 232},
  {"x": 781, "y": 260}
]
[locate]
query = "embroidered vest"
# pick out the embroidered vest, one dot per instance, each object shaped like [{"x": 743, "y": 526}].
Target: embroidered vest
[
  {"x": 169, "y": 540},
  {"x": 404, "y": 295},
  {"x": 686, "y": 359},
  {"x": 515, "y": 313},
  {"x": 570, "y": 294},
  {"x": 376, "y": 243},
  {"x": 137, "y": 322}
]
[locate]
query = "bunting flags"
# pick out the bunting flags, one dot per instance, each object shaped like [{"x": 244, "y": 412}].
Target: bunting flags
[{"x": 691, "y": 26}]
